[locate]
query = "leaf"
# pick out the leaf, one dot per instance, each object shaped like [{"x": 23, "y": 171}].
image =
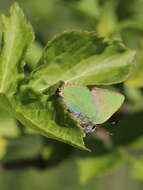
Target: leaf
[
  {"x": 107, "y": 20},
  {"x": 22, "y": 148},
  {"x": 46, "y": 117},
  {"x": 136, "y": 169},
  {"x": 33, "y": 55},
  {"x": 17, "y": 36},
  {"x": 136, "y": 79},
  {"x": 48, "y": 178},
  {"x": 131, "y": 30},
  {"x": 82, "y": 57},
  {"x": 3, "y": 147},
  {"x": 134, "y": 94},
  {"x": 130, "y": 9},
  {"x": 135, "y": 97},
  {"x": 137, "y": 144},
  {"x": 94, "y": 166},
  {"x": 8, "y": 125},
  {"x": 77, "y": 52},
  {"x": 29, "y": 107},
  {"x": 0, "y": 32},
  {"x": 90, "y": 8}
]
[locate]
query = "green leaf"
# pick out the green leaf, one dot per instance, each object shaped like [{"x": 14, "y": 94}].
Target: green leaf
[
  {"x": 47, "y": 117},
  {"x": 136, "y": 165},
  {"x": 90, "y": 8},
  {"x": 17, "y": 36},
  {"x": 72, "y": 56},
  {"x": 107, "y": 20},
  {"x": 82, "y": 57},
  {"x": 27, "y": 106},
  {"x": 130, "y": 10},
  {"x": 94, "y": 166},
  {"x": 135, "y": 97},
  {"x": 63, "y": 176},
  {"x": 136, "y": 80},
  {"x": 22, "y": 148},
  {"x": 8, "y": 125},
  {"x": 0, "y": 32},
  {"x": 3, "y": 147},
  {"x": 137, "y": 144},
  {"x": 33, "y": 55},
  {"x": 134, "y": 94}
]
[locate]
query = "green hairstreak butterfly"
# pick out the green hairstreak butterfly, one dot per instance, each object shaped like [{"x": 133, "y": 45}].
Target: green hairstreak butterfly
[{"x": 90, "y": 107}]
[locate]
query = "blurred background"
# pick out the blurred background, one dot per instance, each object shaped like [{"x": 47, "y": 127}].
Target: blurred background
[{"x": 32, "y": 162}]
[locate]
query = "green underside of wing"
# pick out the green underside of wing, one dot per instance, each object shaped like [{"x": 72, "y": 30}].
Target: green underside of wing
[
  {"x": 80, "y": 100},
  {"x": 107, "y": 103},
  {"x": 96, "y": 106}
]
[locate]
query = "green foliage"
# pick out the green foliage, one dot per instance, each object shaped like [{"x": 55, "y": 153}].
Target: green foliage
[
  {"x": 85, "y": 58},
  {"x": 17, "y": 35},
  {"x": 137, "y": 78},
  {"x": 25, "y": 147},
  {"x": 95, "y": 166},
  {"x": 30, "y": 106},
  {"x": 88, "y": 7},
  {"x": 66, "y": 56},
  {"x": 3, "y": 147},
  {"x": 108, "y": 19},
  {"x": 8, "y": 125}
]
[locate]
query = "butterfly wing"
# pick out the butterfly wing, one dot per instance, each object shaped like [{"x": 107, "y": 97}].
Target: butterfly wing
[
  {"x": 79, "y": 100},
  {"x": 107, "y": 103}
]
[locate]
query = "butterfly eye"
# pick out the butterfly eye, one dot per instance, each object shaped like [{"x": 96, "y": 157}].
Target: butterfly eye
[
  {"x": 93, "y": 127},
  {"x": 89, "y": 128},
  {"x": 59, "y": 93},
  {"x": 69, "y": 110}
]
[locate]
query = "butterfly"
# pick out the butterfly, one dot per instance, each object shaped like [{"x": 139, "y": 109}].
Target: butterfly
[{"x": 90, "y": 108}]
